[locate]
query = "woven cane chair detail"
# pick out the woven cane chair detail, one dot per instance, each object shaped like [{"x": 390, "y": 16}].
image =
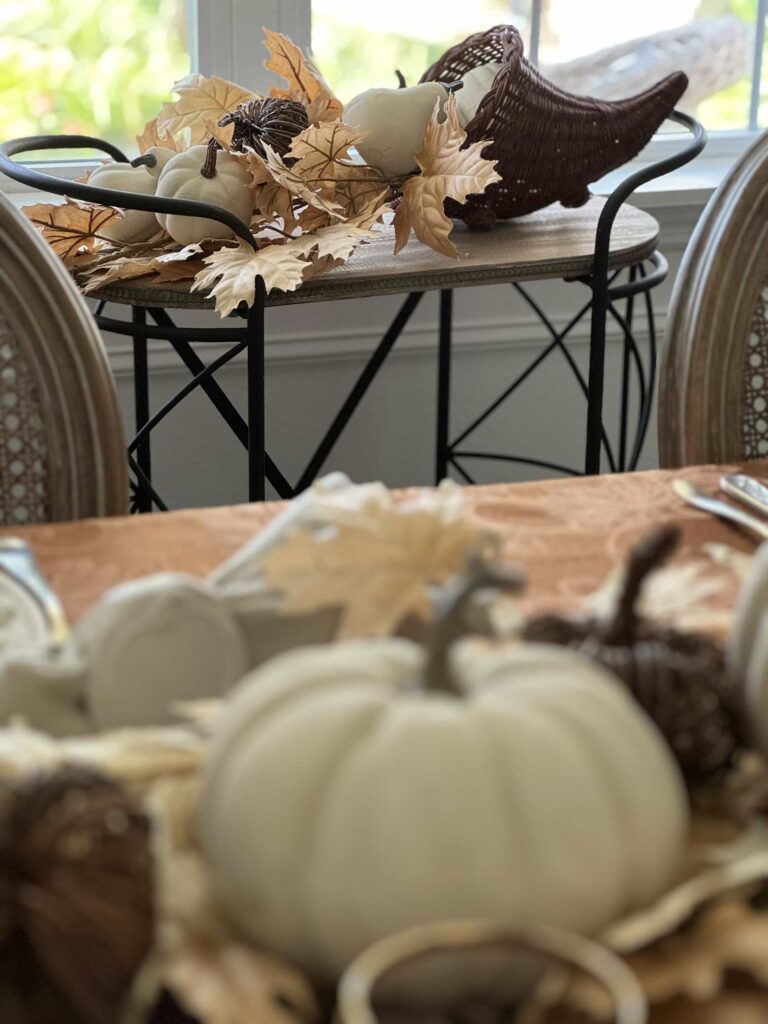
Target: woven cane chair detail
[
  {"x": 713, "y": 396},
  {"x": 62, "y": 454}
]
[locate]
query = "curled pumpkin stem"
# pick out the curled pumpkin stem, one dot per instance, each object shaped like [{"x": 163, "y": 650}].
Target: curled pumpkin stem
[
  {"x": 452, "y": 620},
  {"x": 208, "y": 170},
  {"x": 645, "y": 558}
]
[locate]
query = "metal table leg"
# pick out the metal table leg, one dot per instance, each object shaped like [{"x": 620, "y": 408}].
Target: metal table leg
[
  {"x": 256, "y": 397},
  {"x": 444, "y": 385},
  {"x": 143, "y": 500}
]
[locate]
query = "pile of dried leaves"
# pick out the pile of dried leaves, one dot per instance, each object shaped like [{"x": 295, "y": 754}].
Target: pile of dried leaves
[{"x": 313, "y": 207}]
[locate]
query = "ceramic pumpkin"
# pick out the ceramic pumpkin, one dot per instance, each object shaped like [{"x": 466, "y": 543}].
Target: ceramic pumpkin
[
  {"x": 154, "y": 642},
  {"x": 358, "y": 789},
  {"x": 206, "y": 175},
  {"x": 140, "y": 176},
  {"x": 476, "y": 84},
  {"x": 395, "y": 121}
]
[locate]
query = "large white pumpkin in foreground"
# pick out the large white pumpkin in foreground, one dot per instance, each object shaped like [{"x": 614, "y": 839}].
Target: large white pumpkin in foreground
[{"x": 342, "y": 801}]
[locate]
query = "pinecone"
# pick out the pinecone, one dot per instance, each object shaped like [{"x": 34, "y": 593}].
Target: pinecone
[
  {"x": 273, "y": 121},
  {"x": 76, "y": 891},
  {"x": 680, "y": 679}
]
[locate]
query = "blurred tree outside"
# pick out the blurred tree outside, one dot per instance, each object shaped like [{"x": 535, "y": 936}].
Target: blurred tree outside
[{"x": 89, "y": 67}]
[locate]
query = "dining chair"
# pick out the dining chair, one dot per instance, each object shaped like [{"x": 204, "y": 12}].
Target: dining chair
[
  {"x": 62, "y": 453},
  {"x": 713, "y": 386}
]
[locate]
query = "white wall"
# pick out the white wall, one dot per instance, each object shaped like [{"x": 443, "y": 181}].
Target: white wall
[{"x": 316, "y": 351}]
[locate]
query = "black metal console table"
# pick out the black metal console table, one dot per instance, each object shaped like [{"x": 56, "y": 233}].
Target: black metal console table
[{"x": 608, "y": 246}]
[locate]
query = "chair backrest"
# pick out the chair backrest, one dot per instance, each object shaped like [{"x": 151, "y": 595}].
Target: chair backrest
[
  {"x": 713, "y": 387},
  {"x": 62, "y": 453}
]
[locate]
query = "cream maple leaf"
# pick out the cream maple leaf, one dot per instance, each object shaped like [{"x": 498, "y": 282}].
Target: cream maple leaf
[
  {"x": 448, "y": 171},
  {"x": 293, "y": 179},
  {"x": 376, "y": 565},
  {"x": 319, "y": 149},
  {"x": 152, "y": 136},
  {"x": 70, "y": 228},
  {"x": 200, "y": 100},
  {"x": 230, "y": 274},
  {"x": 305, "y": 83}
]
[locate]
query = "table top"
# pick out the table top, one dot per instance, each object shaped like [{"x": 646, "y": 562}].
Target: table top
[
  {"x": 551, "y": 243},
  {"x": 566, "y": 534}
]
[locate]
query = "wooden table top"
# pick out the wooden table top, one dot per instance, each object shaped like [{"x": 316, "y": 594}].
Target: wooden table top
[
  {"x": 552, "y": 243},
  {"x": 566, "y": 534}
]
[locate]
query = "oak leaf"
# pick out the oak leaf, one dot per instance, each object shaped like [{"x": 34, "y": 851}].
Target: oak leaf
[
  {"x": 230, "y": 274},
  {"x": 70, "y": 228},
  {"x": 200, "y": 100},
  {"x": 377, "y": 565},
  {"x": 152, "y": 136},
  {"x": 448, "y": 171},
  {"x": 305, "y": 83}
]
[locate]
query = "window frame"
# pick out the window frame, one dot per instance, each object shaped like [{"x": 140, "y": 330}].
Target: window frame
[{"x": 225, "y": 40}]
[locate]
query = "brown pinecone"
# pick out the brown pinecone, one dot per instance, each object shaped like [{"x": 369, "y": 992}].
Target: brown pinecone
[
  {"x": 273, "y": 121},
  {"x": 680, "y": 679},
  {"x": 77, "y": 899}
]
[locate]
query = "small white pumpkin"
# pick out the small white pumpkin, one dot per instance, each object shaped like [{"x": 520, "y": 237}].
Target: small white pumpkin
[
  {"x": 45, "y": 688},
  {"x": 206, "y": 175},
  {"x": 134, "y": 225},
  {"x": 156, "y": 641},
  {"x": 748, "y": 649},
  {"x": 343, "y": 802},
  {"x": 395, "y": 120},
  {"x": 475, "y": 86}
]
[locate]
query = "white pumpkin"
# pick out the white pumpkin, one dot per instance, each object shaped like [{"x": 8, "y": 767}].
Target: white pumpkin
[
  {"x": 134, "y": 225},
  {"x": 475, "y": 86},
  {"x": 156, "y": 641},
  {"x": 748, "y": 649},
  {"x": 45, "y": 688},
  {"x": 342, "y": 803},
  {"x": 205, "y": 175},
  {"x": 395, "y": 120}
]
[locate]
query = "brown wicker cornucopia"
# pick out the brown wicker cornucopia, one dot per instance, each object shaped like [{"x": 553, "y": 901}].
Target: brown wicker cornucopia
[{"x": 549, "y": 145}]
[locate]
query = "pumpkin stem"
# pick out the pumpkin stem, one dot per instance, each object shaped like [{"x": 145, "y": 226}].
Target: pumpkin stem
[
  {"x": 451, "y": 614},
  {"x": 644, "y": 558},
  {"x": 146, "y": 160},
  {"x": 401, "y": 82},
  {"x": 208, "y": 170}
]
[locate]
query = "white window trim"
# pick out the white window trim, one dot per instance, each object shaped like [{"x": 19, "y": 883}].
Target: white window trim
[{"x": 226, "y": 40}]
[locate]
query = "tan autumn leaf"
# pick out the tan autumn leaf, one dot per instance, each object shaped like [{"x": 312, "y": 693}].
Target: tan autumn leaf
[
  {"x": 231, "y": 983},
  {"x": 223, "y": 136},
  {"x": 339, "y": 241},
  {"x": 152, "y": 136},
  {"x": 230, "y": 274},
  {"x": 447, "y": 172},
  {"x": 305, "y": 83},
  {"x": 320, "y": 149},
  {"x": 357, "y": 185},
  {"x": 271, "y": 199},
  {"x": 184, "y": 271},
  {"x": 200, "y": 100},
  {"x": 376, "y": 565},
  {"x": 120, "y": 269},
  {"x": 292, "y": 179},
  {"x": 70, "y": 227},
  {"x": 321, "y": 265}
]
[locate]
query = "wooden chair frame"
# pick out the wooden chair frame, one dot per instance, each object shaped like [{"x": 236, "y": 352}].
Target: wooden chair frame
[
  {"x": 56, "y": 335},
  {"x": 706, "y": 344}
]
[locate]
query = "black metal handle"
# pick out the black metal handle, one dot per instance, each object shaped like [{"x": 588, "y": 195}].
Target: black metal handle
[{"x": 105, "y": 196}]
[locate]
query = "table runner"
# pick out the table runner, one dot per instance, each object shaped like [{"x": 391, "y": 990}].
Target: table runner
[{"x": 566, "y": 534}]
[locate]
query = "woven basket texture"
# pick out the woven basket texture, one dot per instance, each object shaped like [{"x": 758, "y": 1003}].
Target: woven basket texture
[{"x": 549, "y": 144}]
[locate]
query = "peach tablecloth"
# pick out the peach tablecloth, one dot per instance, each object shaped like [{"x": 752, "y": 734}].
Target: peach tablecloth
[{"x": 566, "y": 534}]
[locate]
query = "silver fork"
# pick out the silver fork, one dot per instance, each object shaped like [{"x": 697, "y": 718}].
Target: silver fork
[
  {"x": 18, "y": 562},
  {"x": 707, "y": 503}
]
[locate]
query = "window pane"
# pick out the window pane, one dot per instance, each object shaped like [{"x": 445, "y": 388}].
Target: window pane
[
  {"x": 89, "y": 67},
  {"x": 359, "y": 45},
  {"x": 609, "y": 49}
]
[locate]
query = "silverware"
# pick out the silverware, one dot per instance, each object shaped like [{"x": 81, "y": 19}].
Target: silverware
[
  {"x": 708, "y": 503},
  {"x": 747, "y": 490},
  {"x": 18, "y": 562}
]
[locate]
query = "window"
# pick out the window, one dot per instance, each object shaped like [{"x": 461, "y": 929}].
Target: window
[
  {"x": 87, "y": 67},
  {"x": 596, "y": 47}
]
